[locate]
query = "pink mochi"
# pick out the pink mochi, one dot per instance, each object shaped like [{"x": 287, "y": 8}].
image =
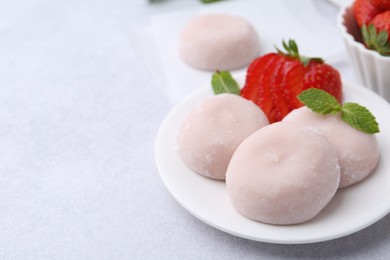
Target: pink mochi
[
  {"x": 211, "y": 132},
  {"x": 283, "y": 174},
  {"x": 358, "y": 152},
  {"x": 218, "y": 42}
]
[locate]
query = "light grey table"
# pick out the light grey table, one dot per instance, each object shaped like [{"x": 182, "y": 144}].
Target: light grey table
[{"x": 80, "y": 106}]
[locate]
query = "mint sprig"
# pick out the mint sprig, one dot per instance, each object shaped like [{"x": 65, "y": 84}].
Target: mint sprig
[
  {"x": 357, "y": 116},
  {"x": 223, "y": 82}
]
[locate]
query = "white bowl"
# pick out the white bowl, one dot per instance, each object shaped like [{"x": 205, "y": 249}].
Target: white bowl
[{"x": 372, "y": 69}]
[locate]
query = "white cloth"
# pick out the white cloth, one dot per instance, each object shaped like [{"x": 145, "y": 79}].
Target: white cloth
[{"x": 80, "y": 105}]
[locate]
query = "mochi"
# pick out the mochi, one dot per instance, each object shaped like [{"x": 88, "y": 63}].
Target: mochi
[
  {"x": 218, "y": 42},
  {"x": 284, "y": 173},
  {"x": 212, "y": 131},
  {"x": 358, "y": 152}
]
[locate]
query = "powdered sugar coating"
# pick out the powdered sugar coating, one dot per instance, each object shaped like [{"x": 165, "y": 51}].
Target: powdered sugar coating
[
  {"x": 218, "y": 42},
  {"x": 283, "y": 174},
  {"x": 358, "y": 152},
  {"x": 212, "y": 131}
]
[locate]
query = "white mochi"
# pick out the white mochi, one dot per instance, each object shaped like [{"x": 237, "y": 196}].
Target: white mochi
[
  {"x": 358, "y": 152},
  {"x": 218, "y": 42},
  {"x": 282, "y": 174},
  {"x": 212, "y": 131}
]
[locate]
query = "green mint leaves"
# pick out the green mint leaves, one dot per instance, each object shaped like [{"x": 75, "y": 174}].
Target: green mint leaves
[
  {"x": 223, "y": 82},
  {"x": 354, "y": 114}
]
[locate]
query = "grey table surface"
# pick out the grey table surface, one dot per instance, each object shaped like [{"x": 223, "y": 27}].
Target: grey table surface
[{"x": 80, "y": 106}]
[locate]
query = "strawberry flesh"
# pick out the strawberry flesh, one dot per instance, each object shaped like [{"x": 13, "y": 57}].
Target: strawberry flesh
[
  {"x": 267, "y": 99},
  {"x": 254, "y": 75},
  {"x": 293, "y": 84},
  {"x": 279, "y": 102}
]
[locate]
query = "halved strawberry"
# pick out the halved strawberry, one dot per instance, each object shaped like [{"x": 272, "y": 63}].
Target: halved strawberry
[
  {"x": 279, "y": 97},
  {"x": 267, "y": 100},
  {"x": 274, "y": 80},
  {"x": 285, "y": 86},
  {"x": 292, "y": 84},
  {"x": 253, "y": 77}
]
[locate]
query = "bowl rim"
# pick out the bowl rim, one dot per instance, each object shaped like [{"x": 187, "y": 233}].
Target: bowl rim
[{"x": 351, "y": 40}]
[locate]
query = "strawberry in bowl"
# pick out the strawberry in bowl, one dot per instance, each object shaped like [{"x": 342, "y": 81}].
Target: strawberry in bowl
[
  {"x": 373, "y": 19},
  {"x": 365, "y": 27}
]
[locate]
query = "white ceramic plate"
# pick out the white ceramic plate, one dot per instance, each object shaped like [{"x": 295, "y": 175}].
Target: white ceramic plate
[{"x": 351, "y": 210}]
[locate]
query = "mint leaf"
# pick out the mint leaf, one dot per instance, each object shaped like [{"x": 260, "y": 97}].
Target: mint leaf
[
  {"x": 319, "y": 101},
  {"x": 223, "y": 82},
  {"x": 360, "y": 118},
  {"x": 353, "y": 114}
]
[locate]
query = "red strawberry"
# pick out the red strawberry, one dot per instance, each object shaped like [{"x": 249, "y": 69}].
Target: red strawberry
[
  {"x": 254, "y": 76},
  {"x": 381, "y": 4},
  {"x": 262, "y": 72},
  {"x": 382, "y": 21},
  {"x": 273, "y": 81},
  {"x": 267, "y": 80},
  {"x": 376, "y": 35},
  {"x": 292, "y": 83},
  {"x": 364, "y": 12},
  {"x": 323, "y": 76},
  {"x": 278, "y": 86}
]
